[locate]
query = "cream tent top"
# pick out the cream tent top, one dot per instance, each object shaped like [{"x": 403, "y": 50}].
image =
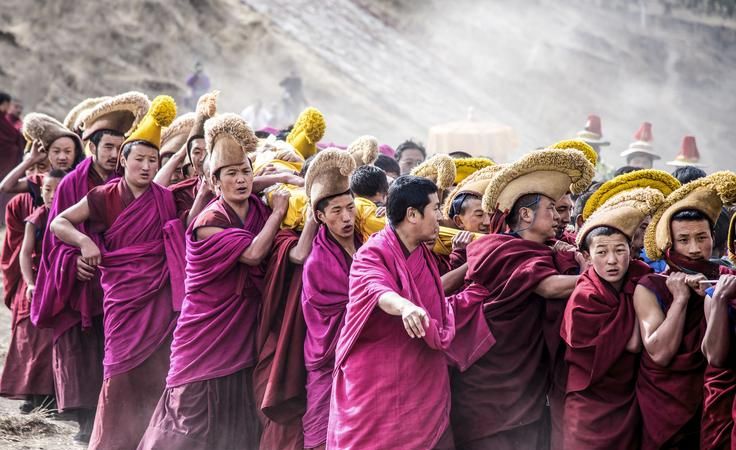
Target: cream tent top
[{"x": 479, "y": 138}]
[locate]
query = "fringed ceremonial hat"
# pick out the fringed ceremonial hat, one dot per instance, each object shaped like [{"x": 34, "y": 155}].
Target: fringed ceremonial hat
[
  {"x": 174, "y": 137},
  {"x": 706, "y": 195},
  {"x": 439, "y": 169},
  {"x": 651, "y": 178},
  {"x": 465, "y": 167},
  {"x": 206, "y": 109},
  {"x": 624, "y": 211},
  {"x": 328, "y": 175},
  {"x": 579, "y": 145},
  {"x": 228, "y": 139},
  {"x": 550, "y": 172},
  {"x": 160, "y": 115},
  {"x": 364, "y": 150},
  {"x": 71, "y": 121},
  {"x": 120, "y": 113},
  {"x": 475, "y": 184},
  {"x": 38, "y": 126},
  {"x": 308, "y": 130}
]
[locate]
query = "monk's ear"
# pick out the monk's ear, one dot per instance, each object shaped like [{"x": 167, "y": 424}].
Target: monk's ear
[
  {"x": 458, "y": 221},
  {"x": 411, "y": 215},
  {"x": 320, "y": 216},
  {"x": 586, "y": 254},
  {"x": 526, "y": 214},
  {"x": 579, "y": 221}
]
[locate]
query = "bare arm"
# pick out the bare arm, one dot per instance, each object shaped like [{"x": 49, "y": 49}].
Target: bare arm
[
  {"x": 556, "y": 286},
  {"x": 163, "y": 177},
  {"x": 26, "y": 257},
  {"x": 453, "y": 280},
  {"x": 200, "y": 201},
  {"x": 717, "y": 339},
  {"x": 262, "y": 182},
  {"x": 301, "y": 250},
  {"x": 64, "y": 227},
  {"x": 661, "y": 334},
  {"x": 415, "y": 319},
  {"x": 15, "y": 181}
]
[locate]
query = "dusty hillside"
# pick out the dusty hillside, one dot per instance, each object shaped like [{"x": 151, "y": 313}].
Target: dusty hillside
[{"x": 395, "y": 67}]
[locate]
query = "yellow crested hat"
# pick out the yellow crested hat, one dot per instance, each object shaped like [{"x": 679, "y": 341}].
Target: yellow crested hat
[
  {"x": 464, "y": 167},
  {"x": 439, "y": 169},
  {"x": 475, "y": 184},
  {"x": 652, "y": 178},
  {"x": 364, "y": 150},
  {"x": 623, "y": 211},
  {"x": 308, "y": 130},
  {"x": 706, "y": 195},
  {"x": 328, "y": 175},
  {"x": 550, "y": 172},
  {"x": 121, "y": 113},
  {"x": 159, "y": 115}
]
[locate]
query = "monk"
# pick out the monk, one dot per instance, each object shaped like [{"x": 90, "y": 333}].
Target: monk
[
  {"x": 397, "y": 326},
  {"x": 500, "y": 401},
  {"x": 208, "y": 402},
  {"x": 27, "y": 372},
  {"x": 135, "y": 224},
  {"x": 325, "y": 279},
  {"x": 564, "y": 208},
  {"x": 70, "y": 302},
  {"x": 603, "y": 346},
  {"x": 671, "y": 318}
]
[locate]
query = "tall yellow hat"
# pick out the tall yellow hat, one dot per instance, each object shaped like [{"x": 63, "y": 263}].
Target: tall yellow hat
[
  {"x": 308, "y": 130},
  {"x": 159, "y": 115}
]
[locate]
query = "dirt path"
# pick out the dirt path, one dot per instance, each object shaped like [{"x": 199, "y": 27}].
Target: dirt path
[{"x": 33, "y": 431}]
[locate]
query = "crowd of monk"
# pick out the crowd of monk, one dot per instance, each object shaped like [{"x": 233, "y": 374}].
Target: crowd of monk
[{"x": 190, "y": 283}]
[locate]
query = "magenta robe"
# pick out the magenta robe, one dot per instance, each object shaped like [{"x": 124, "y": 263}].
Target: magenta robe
[
  {"x": 205, "y": 404},
  {"x": 601, "y": 411},
  {"x": 324, "y": 297},
  {"x": 389, "y": 390}
]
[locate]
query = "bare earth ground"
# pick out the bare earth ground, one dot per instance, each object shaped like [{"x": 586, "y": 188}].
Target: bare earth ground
[{"x": 35, "y": 431}]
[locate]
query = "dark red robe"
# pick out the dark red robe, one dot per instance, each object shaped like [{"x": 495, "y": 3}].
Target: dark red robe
[
  {"x": 671, "y": 398},
  {"x": 27, "y": 369},
  {"x": 280, "y": 374},
  {"x": 499, "y": 401},
  {"x": 600, "y": 410}
]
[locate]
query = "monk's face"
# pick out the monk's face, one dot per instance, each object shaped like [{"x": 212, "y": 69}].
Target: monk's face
[
  {"x": 38, "y": 168},
  {"x": 637, "y": 242},
  {"x": 106, "y": 152},
  {"x": 542, "y": 222},
  {"x": 236, "y": 182},
  {"x": 140, "y": 165},
  {"x": 48, "y": 189},
  {"x": 339, "y": 216},
  {"x": 641, "y": 161},
  {"x": 610, "y": 257},
  {"x": 427, "y": 224},
  {"x": 61, "y": 153},
  {"x": 692, "y": 238},
  {"x": 410, "y": 158},
  {"x": 197, "y": 154},
  {"x": 473, "y": 218},
  {"x": 564, "y": 210},
  {"x": 178, "y": 174}
]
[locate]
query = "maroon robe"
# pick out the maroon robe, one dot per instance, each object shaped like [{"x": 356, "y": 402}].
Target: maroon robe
[
  {"x": 600, "y": 409},
  {"x": 280, "y": 375},
  {"x": 184, "y": 194},
  {"x": 16, "y": 212},
  {"x": 138, "y": 310},
  {"x": 27, "y": 369},
  {"x": 11, "y": 153},
  {"x": 671, "y": 398},
  {"x": 499, "y": 401}
]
